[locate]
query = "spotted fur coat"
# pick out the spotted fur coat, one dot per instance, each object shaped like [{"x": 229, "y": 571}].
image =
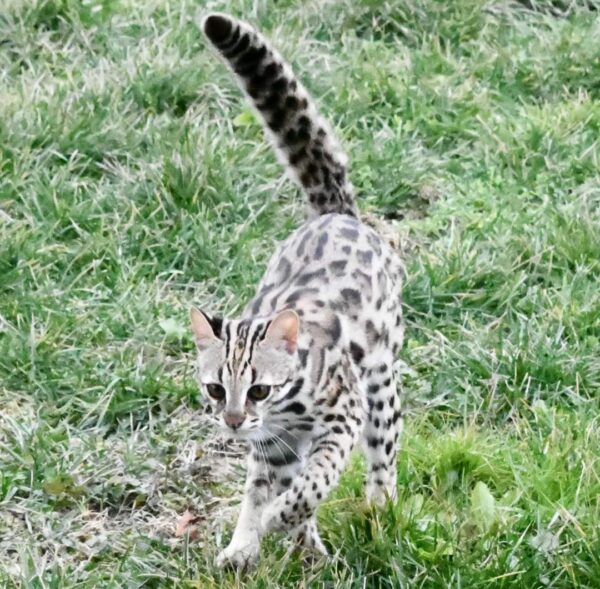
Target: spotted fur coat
[{"x": 306, "y": 372}]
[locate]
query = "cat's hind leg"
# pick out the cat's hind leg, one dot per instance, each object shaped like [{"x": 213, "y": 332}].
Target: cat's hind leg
[{"x": 382, "y": 429}]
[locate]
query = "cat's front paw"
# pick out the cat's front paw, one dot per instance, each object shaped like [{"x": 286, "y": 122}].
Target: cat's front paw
[{"x": 240, "y": 555}]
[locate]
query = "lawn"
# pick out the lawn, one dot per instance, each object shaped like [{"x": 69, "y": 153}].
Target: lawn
[{"x": 134, "y": 181}]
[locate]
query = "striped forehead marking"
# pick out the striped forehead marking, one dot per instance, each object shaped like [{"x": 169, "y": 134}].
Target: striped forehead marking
[{"x": 239, "y": 351}]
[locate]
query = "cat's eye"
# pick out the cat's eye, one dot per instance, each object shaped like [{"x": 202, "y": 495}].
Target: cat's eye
[
  {"x": 258, "y": 392},
  {"x": 215, "y": 391}
]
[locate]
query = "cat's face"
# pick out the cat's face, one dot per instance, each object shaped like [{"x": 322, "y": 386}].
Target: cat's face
[{"x": 243, "y": 365}]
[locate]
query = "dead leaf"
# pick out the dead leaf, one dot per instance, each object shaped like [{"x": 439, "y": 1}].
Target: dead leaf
[{"x": 185, "y": 525}]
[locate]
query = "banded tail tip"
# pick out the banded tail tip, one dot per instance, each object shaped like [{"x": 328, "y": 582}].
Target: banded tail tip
[{"x": 217, "y": 27}]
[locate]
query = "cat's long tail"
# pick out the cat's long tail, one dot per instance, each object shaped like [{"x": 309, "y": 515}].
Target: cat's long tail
[{"x": 300, "y": 135}]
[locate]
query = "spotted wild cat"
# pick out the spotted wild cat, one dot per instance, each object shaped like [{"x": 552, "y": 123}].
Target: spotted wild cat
[{"x": 307, "y": 370}]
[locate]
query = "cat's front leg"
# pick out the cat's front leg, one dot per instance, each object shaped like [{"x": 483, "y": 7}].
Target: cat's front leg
[
  {"x": 244, "y": 548},
  {"x": 341, "y": 424},
  {"x": 299, "y": 503},
  {"x": 306, "y": 535}
]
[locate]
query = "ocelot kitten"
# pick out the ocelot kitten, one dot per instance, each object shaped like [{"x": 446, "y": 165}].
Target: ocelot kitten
[{"x": 308, "y": 368}]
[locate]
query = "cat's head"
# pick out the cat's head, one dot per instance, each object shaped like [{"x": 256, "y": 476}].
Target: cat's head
[{"x": 243, "y": 365}]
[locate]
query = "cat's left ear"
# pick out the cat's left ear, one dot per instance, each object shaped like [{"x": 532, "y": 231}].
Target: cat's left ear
[
  {"x": 284, "y": 331},
  {"x": 203, "y": 328}
]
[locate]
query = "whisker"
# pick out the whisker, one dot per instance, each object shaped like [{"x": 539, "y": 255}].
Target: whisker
[
  {"x": 285, "y": 430},
  {"x": 261, "y": 451},
  {"x": 271, "y": 436},
  {"x": 279, "y": 439}
]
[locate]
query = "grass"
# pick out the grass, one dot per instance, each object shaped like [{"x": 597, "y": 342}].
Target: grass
[{"x": 133, "y": 183}]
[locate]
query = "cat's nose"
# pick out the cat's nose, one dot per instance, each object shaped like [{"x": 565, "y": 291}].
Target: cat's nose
[{"x": 234, "y": 420}]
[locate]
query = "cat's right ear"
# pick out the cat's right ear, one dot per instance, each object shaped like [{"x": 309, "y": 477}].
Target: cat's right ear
[{"x": 203, "y": 328}]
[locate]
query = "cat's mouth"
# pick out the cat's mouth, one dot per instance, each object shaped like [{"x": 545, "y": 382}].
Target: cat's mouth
[
  {"x": 234, "y": 435},
  {"x": 240, "y": 435}
]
